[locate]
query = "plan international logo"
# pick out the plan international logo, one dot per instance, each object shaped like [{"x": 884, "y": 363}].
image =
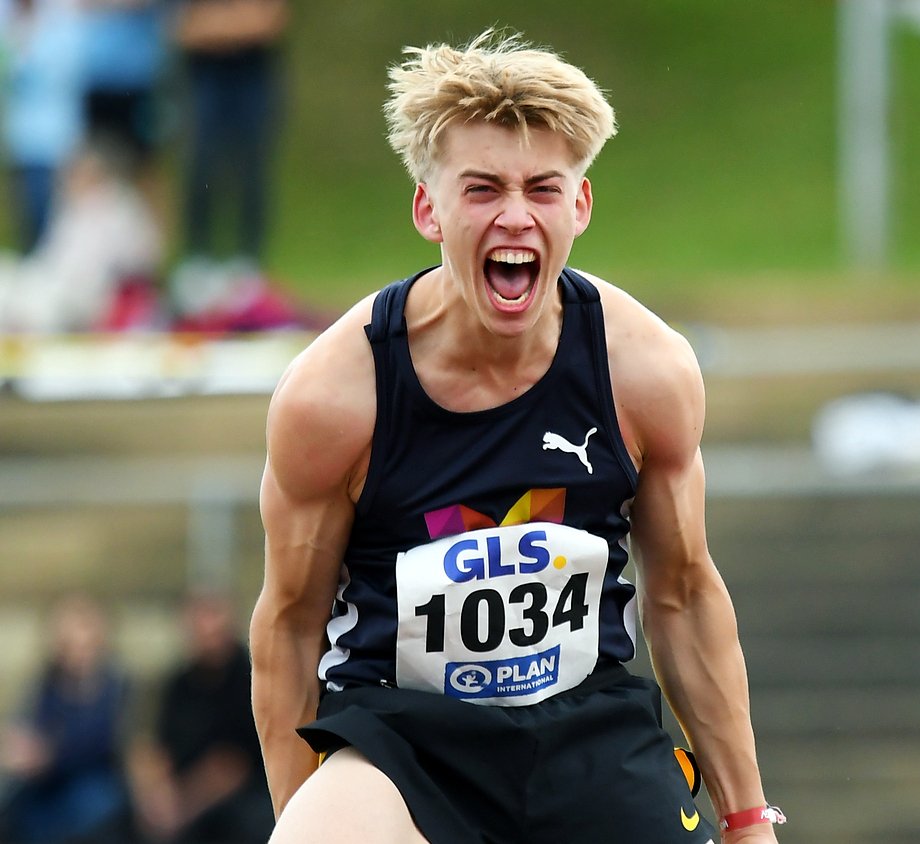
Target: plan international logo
[{"x": 502, "y": 678}]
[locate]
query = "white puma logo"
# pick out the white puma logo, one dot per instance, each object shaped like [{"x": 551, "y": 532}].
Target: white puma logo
[{"x": 551, "y": 440}]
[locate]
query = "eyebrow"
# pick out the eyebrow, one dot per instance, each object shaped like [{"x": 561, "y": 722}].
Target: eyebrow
[{"x": 498, "y": 180}]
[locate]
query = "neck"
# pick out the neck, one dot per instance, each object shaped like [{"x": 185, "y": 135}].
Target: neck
[{"x": 460, "y": 363}]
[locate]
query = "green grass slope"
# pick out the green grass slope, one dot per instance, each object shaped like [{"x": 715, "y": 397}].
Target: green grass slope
[{"x": 722, "y": 180}]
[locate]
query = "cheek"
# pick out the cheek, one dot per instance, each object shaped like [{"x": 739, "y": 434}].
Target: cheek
[
  {"x": 463, "y": 238},
  {"x": 570, "y": 224}
]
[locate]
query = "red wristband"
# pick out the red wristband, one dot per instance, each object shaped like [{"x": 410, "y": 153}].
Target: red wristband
[{"x": 752, "y": 817}]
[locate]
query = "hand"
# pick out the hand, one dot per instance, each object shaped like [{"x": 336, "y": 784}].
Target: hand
[
  {"x": 154, "y": 792},
  {"x": 24, "y": 752},
  {"x": 158, "y": 815}
]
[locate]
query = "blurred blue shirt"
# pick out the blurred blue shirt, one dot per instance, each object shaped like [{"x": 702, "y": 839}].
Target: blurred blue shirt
[
  {"x": 43, "y": 85},
  {"x": 125, "y": 48}
]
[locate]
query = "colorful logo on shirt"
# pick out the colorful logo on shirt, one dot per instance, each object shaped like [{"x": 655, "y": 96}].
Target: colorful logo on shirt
[
  {"x": 536, "y": 505},
  {"x": 502, "y": 678}
]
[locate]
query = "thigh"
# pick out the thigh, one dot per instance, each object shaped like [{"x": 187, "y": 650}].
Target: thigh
[{"x": 347, "y": 801}]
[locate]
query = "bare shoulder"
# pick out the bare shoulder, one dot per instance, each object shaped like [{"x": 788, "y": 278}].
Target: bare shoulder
[
  {"x": 635, "y": 330},
  {"x": 658, "y": 387},
  {"x": 321, "y": 416}
]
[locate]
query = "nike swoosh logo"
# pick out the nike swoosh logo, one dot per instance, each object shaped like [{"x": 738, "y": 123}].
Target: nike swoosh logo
[{"x": 690, "y": 823}]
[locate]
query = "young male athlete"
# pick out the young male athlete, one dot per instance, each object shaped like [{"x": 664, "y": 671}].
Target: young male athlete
[{"x": 455, "y": 472}]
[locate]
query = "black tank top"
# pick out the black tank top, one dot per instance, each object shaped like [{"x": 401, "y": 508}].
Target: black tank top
[{"x": 486, "y": 554}]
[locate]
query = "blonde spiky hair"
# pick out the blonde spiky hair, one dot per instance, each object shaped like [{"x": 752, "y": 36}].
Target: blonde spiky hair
[{"x": 498, "y": 79}]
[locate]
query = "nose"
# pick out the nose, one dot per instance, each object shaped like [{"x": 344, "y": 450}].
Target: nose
[{"x": 515, "y": 216}]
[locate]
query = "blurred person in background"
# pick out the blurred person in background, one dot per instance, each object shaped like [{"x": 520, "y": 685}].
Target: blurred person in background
[
  {"x": 125, "y": 61},
  {"x": 42, "y": 46},
  {"x": 199, "y": 780},
  {"x": 125, "y": 68},
  {"x": 230, "y": 52},
  {"x": 97, "y": 266},
  {"x": 62, "y": 756}
]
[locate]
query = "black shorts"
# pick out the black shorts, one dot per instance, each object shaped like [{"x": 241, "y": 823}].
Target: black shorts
[{"x": 587, "y": 766}]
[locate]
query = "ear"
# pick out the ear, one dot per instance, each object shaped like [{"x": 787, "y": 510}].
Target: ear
[
  {"x": 424, "y": 214},
  {"x": 584, "y": 202}
]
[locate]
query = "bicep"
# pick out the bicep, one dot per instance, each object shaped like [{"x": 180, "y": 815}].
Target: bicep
[
  {"x": 318, "y": 434},
  {"x": 668, "y": 515},
  {"x": 320, "y": 425},
  {"x": 305, "y": 538}
]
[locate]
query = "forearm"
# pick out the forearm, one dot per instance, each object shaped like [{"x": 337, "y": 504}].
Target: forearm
[
  {"x": 285, "y": 694},
  {"x": 214, "y": 26},
  {"x": 699, "y": 664}
]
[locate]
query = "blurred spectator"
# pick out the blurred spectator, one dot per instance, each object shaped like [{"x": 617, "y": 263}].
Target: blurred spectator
[
  {"x": 42, "y": 108},
  {"x": 223, "y": 297},
  {"x": 125, "y": 57},
  {"x": 230, "y": 54},
  {"x": 201, "y": 778},
  {"x": 102, "y": 245},
  {"x": 62, "y": 755}
]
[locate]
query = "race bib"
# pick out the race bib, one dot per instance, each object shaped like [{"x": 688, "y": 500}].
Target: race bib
[{"x": 503, "y": 616}]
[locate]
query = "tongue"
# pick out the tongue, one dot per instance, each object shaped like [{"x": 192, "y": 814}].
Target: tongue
[{"x": 508, "y": 280}]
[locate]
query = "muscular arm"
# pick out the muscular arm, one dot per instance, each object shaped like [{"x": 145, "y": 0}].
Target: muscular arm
[
  {"x": 319, "y": 428},
  {"x": 687, "y": 615}
]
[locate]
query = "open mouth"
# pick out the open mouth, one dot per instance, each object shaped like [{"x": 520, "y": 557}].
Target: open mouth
[{"x": 511, "y": 274}]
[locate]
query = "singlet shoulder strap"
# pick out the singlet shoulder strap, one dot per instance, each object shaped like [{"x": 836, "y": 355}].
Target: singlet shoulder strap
[
  {"x": 576, "y": 288},
  {"x": 387, "y": 335},
  {"x": 388, "y": 313}
]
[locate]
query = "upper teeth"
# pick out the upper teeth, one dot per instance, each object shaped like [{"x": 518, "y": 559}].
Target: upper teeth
[{"x": 513, "y": 256}]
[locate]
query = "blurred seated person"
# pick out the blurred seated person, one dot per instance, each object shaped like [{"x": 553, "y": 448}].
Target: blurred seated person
[
  {"x": 101, "y": 238},
  {"x": 62, "y": 755},
  {"x": 200, "y": 778}
]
